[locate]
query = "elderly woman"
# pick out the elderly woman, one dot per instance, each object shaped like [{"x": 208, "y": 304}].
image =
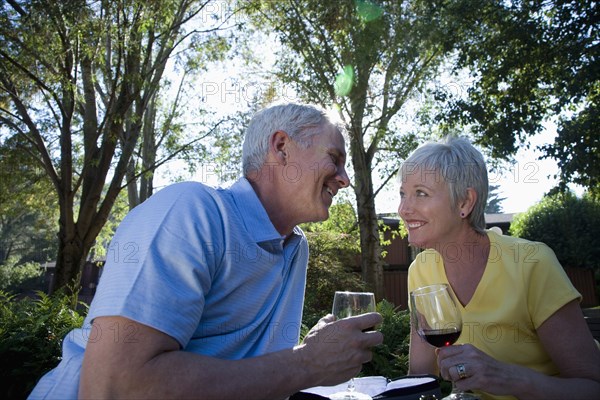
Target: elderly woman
[{"x": 523, "y": 333}]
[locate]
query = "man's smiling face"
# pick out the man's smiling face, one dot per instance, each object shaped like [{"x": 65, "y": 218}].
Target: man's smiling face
[{"x": 316, "y": 173}]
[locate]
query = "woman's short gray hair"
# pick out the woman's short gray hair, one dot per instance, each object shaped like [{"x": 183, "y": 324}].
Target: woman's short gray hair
[
  {"x": 299, "y": 121},
  {"x": 460, "y": 165}
]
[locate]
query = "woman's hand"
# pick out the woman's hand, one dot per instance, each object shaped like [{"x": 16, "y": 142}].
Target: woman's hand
[{"x": 479, "y": 371}]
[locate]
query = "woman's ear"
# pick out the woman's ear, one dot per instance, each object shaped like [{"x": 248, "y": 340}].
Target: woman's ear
[{"x": 468, "y": 203}]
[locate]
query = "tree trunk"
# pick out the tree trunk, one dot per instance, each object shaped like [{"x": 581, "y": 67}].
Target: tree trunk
[
  {"x": 132, "y": 190},
  {"x": 371, "y": 261},
  {"x": 69, "y": 258},
  {"x": 148, "y": 151}
]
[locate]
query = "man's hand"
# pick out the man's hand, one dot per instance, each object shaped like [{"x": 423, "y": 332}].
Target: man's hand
[{"x": 335, "y": 350}]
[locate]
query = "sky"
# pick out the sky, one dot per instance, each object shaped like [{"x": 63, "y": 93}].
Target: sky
[{"x": 525, "y": 183}]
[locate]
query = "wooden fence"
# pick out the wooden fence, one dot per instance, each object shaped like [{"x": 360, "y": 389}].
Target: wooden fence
[
  {"x": 584, "y": 282},
  {"x": 396, "y": 288}
]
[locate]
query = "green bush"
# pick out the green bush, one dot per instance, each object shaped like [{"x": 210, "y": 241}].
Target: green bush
[
  {"x": 330, "y": 268},
  {"x": 569, "y": 225},
  {"x": 20, "y": 278},
  {"x": 390, "y": 359},
  {"x": 31, "y": 333}
]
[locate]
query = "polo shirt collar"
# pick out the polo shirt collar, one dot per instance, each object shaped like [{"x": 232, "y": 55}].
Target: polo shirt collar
[{"x": 253, "y": 213}]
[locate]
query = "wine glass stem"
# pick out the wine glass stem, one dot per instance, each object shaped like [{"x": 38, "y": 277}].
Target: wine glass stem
[
  {"x": 458, "y": 394},
  {"x": 351, "y": 385}
]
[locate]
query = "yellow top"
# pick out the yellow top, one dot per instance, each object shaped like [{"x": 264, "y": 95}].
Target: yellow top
[{"x": 523, "y": 284}]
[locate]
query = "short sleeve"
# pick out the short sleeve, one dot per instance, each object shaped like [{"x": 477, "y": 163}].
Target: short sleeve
[
  {"x": 161, "y": 262},
  {"x": 548, "y": 284}
]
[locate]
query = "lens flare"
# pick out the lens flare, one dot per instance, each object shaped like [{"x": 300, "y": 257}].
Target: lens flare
[
  {"x": 344, "y": 81},
  {"x": 368, "y": 11}
]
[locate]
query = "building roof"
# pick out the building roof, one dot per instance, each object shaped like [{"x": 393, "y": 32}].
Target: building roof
[{"x": 499, "y": 218}]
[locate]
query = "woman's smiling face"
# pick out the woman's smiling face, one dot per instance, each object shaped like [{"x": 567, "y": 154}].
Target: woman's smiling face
[{"x": 426, "y": 209}]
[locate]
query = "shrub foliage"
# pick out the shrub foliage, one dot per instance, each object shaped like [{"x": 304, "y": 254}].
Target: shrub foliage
[
  {"x": 569, "y": 225},
  {"x": 390, "y": 359},
  {"x": 330, "y": 268},
  {"x": 18, "y": 278},
  {"x": 31, "y": 333}
]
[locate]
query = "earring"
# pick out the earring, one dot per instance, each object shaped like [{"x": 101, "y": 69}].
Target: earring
[{"x": 462, "y": 214}]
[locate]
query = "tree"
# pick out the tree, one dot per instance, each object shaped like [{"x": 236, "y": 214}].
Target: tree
[
  {"x": 28, "y": 211},
  {"x": 77, "y": 79},
  {"x": 368, "y": 58},
  {"x": 493, "y": 204},
  {"x": 531, "y": 61}
]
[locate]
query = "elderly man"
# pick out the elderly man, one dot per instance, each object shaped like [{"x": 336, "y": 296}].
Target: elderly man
[{"x": 207, "y": 301}]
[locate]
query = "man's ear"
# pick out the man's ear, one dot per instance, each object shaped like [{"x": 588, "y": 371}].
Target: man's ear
[{"x": 278, "y": 146}]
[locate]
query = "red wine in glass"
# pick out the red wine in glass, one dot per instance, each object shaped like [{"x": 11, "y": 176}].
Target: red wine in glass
[
  {"x": 441, "y": 337},
  {"x": 436, "y": 317}
]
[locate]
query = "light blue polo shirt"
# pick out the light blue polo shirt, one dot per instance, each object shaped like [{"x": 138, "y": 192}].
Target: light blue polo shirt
[{"x": 205, "y": 266}]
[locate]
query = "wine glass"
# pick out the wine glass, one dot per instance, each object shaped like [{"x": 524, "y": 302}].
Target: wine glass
[
  {"x": 347, "y": 304},
  {"x": 437, "y": 319}
]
